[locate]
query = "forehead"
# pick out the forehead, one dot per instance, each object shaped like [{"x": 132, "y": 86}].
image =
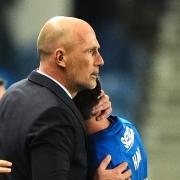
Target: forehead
[{"x": 87, "y": 38}]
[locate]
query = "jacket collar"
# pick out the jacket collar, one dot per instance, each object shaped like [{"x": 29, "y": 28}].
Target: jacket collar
[{"x": 42, "y": 80}]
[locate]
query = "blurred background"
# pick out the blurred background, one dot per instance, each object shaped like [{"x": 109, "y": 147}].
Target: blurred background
[{"x": 140, "y": 43}]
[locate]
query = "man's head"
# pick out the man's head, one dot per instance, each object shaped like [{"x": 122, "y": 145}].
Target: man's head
[
  {"x": 86, "y": 99},
  {"x": 68, "y": 51}
]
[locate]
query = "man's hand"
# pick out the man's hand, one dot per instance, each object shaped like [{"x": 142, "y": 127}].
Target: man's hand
[
  {"x": 118, "y": 173},
  {"x": 103, "y": 109},
  {"x": 5, "y": 166}
]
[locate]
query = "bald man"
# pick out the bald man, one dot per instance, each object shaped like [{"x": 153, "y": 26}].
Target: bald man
[{"x": 42, "y": 131}]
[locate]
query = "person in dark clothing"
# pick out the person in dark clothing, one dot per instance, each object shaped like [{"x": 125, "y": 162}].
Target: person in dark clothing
[{"x": 41, "y": 130}]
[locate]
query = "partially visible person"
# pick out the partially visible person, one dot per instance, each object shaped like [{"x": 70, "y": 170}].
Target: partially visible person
[
  {"x": 114, "y": 136},
  {"x": 2, "y": 88},
  {"x": 42, "y": 131},
  {"x": 5, "y": 166}
]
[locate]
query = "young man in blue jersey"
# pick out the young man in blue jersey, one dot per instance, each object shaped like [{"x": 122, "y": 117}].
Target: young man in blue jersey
[{"x": 114, "y": 136}]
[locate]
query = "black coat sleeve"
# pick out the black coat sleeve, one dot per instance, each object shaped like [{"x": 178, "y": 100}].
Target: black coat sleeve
[{"x": 52, "y": 146}]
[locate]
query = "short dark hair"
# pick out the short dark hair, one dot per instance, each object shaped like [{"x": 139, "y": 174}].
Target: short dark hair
[{"x": 86, "y": 99}]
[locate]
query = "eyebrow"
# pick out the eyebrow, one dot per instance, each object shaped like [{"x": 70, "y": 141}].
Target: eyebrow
[{"x": 93, "y": 47}]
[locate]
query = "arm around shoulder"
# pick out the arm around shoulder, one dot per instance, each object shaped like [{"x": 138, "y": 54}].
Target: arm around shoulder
[
  {"x": 5, "y": 166},
  {"x": 118, "y": 173},
  {"x": 52, "y": 148}
]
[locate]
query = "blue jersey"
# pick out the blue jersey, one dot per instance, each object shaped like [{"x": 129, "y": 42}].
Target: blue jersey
[{"x": 122, "y": 141}]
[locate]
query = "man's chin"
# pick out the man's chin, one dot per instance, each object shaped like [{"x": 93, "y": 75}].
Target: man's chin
[
  {"x": 90, "y": 85},
  {"x": 93, "y": 84}
]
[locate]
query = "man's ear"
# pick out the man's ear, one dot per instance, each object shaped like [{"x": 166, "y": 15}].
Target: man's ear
[{"x": 59, "y": 58}]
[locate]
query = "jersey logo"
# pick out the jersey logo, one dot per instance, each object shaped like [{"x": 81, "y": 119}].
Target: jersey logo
[
  {"x": 137, "y": 158},
  {"x": 128, "y": 139}
]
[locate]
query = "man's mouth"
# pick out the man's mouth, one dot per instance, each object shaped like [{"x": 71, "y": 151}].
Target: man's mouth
[{"x": 95, "y": 74}]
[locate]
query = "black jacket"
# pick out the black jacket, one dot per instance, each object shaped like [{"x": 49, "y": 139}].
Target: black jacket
[{"x": 42, "y": 132}]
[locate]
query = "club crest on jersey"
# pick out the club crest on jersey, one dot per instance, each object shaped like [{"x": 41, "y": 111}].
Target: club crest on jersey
[{"x": 128, "y": 138}]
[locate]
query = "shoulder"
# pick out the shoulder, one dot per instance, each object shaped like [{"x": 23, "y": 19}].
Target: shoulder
[
  {"x": 121, "y": 120},
  {"x": 126, "y": 126}
]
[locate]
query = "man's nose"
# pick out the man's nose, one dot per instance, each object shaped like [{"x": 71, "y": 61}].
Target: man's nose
[{"x": 100, "y": 60}]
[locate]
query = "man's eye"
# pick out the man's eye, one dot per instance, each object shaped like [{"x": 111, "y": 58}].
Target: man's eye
[{"x": 91, "y": 51}]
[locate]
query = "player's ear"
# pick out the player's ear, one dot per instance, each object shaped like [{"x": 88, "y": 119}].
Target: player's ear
[{"x": 59, "y": 57}]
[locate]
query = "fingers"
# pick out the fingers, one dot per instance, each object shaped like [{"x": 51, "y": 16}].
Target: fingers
[
  {"x": 122, "y": 167},
  {"x": 101, "y": 94},
  {"x": 128, "y": 178},
  {"x": 127, "y": 174},
  {"x": 118, "y": 173},
  {"x": 103, "y": 109},
  {"x": 122, "y": 172},
  {"x": 5, "y": 170},
  {"x": 105, "y": 163},
  {"x": 104, "y": 114},
  {"x": 5, "y": 166},
  {"x": 5, "y": 163}
]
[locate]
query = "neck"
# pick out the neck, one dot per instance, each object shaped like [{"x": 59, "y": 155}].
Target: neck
[
  {"x": 58, "y": 76},
  {"x": 93, "y": 126}
]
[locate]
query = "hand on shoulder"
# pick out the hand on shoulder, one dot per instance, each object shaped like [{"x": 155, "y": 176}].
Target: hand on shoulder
[
  {"x": 5, "y": 166},
  {"x": 118, "y": 173}
]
